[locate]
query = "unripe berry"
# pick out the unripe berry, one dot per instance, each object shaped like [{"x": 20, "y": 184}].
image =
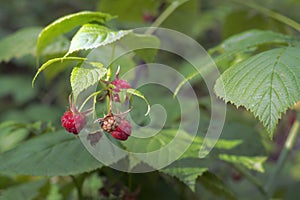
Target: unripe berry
[
  {"x": 73, "y": 122},
  {"x": 119, "y": 84}
]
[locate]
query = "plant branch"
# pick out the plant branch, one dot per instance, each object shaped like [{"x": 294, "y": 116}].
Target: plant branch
[
  {"x": 288, "y": 146},
  {"x": 165, "y": 15},
  {"x": 78, "y": 187},
  {"x": 275, "y": 15},
  {"x": 251, "y": 178}
]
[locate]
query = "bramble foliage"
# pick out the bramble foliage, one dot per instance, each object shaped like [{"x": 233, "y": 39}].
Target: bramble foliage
[{"x": 259, "y": 63}]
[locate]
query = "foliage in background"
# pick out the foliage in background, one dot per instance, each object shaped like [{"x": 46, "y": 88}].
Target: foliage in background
[{"x": 34, "y": 147}]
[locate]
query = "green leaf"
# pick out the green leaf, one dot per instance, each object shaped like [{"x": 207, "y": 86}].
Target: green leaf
[
  {"x": 186, "y": 146},
  {"x": 19, "y": 44},
  {"x": 144, "y": 46},
  {"x": 86, "y": 75},
  {"x": 91, "y": 36},
  {"x": 28, "y": 190},
  {"x": 212, "y": 183},
  {"x": 23, "y": 42},
  {"x": 10, "y": 85},
  {"x": 253, "y": 163},
  {"x": 52, "y": 154},
  {"x": 237, "y": 44},
  {"x": 55, "y": 61},
  {"x": 238, "y": 130},
  {"x": 186, "y": 171},
  {"x": 252, "y": 38},
  {"x": 66, "y": 24},
  {"x": 227, "y": 144},
  {"x": 11, "y": 134},
  {"x": 139, "y": 94},
  {"x": 151, "y": 140},
  {"x": 59, "y": 46},
  {"x": 267, "y": 84}
]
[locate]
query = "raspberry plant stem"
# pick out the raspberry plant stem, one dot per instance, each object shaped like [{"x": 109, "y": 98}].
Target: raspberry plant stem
[
  {"x": 251, "y": 178},
  {"x": 109, "y": 70},
  {"x": 285, "y": 152},
  {"x": 271, "y": 13},
  {"x": 78, "y": 188},
  {"x": 109, "y": 102},
  {"x": 169, "y": 10}
]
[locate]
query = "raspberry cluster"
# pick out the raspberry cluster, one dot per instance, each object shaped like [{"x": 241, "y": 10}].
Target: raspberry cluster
[{"x": 116, "y": 125}]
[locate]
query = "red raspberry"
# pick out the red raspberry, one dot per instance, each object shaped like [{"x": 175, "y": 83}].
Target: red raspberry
[
  {"x": 73, "y": 122},
  {"x": 123, "y": 130},
  {"x": 119, "y": 84},
  {"x": 116, "y": 125}
]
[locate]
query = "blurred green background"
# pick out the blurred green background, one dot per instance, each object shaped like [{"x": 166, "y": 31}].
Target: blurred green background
[{"x": 34, "y": 111}]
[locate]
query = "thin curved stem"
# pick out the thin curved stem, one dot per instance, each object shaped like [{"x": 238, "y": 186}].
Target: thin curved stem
[
  {"x": 285, "y": 152},
  {"x": 251, "y": 178},
  {"x": 275, "y": 15},
  {"x": 88, "y": 98},
  {"x": 165, "y": 15}
]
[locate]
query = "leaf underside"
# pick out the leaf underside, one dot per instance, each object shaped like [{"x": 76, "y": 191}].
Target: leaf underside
[
  {"x": 267, "y": 84},
  {"x": 55, "y": 61}
]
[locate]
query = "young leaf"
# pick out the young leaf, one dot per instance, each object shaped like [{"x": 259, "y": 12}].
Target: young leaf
[
  {"x": 54, "y": 61},
  {"x": 51, "y": 154},
  {"x": 267, "y": 84},
  {"x": 139, "y": 94},
  {"x": 66, "y": 24},
  {"x": 19, "y": 44},
  {"x": 91, "y": 36},
  {"x": 84, "y": 76},
  {"x": 253, "y": 163},
  {"x": 214, "y": 184}
]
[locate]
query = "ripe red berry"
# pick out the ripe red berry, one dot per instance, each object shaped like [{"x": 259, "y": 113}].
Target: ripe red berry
[
  {"x": 123, "y": 130},
  {"x": 73, "y": 122},
  {"x": 119, "y": 84},
  {"x": 116, "y": 125}
]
